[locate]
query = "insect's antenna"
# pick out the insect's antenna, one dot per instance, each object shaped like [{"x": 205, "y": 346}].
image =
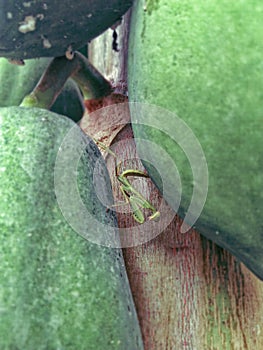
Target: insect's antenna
[
  {"x": 117, "y": 167},
  {"x": 104, "y": 147}
]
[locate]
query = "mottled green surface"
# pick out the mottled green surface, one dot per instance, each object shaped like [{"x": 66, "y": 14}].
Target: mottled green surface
[
  {"x": 19, "y": 81},
  {"x": 57, "y": 290},
  {"x": 203, "y": 61}
]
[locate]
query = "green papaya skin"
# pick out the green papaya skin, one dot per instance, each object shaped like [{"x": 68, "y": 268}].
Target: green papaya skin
[
  {"x": 202, "y": 61},
  {"x": 57, "y": 289},
  {"x": 18, "y": 81},
  {"x": 30, "y": 29}
]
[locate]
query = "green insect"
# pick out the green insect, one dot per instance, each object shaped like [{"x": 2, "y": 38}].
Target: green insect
[{"x": 133, "y": 197}]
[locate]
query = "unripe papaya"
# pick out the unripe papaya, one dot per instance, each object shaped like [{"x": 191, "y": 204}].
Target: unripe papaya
[
  {"x": 201, "y": 61},
  {"x": 58, "y": 290}
]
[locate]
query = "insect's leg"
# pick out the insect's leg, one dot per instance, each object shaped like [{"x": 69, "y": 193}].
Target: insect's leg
[
  {"x": 144, "y": 203},
  {"x": 133, "y": 172},
  {"x": 155, "y": 216},
  {"x": 136, "y": 211},
  {"x": 125, "y": 194},
  {"x": 104, "y": 147}
]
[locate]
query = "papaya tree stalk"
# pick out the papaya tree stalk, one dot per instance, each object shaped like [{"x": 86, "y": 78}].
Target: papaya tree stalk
[{"x": 89, "y": 79}]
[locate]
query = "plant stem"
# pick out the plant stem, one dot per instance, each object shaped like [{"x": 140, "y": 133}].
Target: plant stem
[{"x": 90, "y": 81}]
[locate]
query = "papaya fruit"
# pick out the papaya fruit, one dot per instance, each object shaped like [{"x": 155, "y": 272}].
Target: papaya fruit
[
  {"x": 200, "y": 63},
  {"x": 58, "y": 290},
  {"x": 30, "y": 29},
  {"x": 18, "y": 81}
]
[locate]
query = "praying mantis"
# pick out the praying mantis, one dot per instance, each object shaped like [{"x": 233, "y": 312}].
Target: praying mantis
[
  {"x": 132, "y": 197},
  {"x": 135, "y": 199}
]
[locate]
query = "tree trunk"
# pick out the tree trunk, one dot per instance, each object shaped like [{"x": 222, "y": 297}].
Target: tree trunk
[{"x": 189, "y": 293}]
